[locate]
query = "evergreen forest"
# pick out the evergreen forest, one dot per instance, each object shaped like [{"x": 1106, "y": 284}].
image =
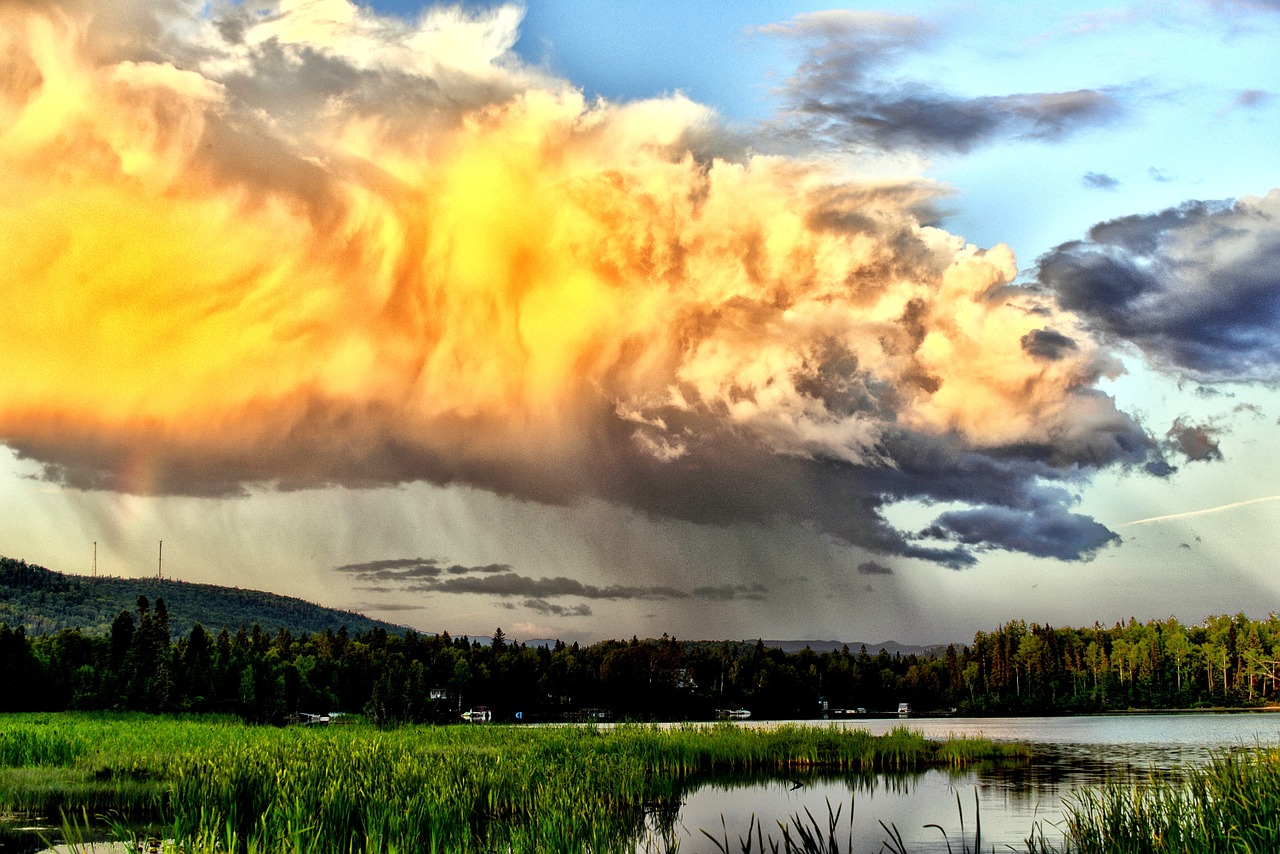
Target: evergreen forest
[{"x": 142, "y": 663}]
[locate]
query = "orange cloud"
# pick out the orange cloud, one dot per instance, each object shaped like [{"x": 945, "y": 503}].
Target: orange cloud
[{"x": 434, "y": 263}]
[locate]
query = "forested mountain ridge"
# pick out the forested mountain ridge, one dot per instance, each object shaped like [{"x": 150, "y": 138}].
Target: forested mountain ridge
[{"x": 45, "y": 602}]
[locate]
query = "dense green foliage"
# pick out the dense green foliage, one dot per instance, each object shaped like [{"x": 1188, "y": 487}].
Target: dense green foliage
[
  {"x": 397, "y": 678},
  {"x": 218, "y": 785},
  {"x": 45, "y": 602},
  {"x": 1020, "y": 667},
  {"x": 144, "y": 661}
]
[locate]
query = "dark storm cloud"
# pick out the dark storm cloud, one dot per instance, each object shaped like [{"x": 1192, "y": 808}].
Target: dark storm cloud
[
  {"x": 1196, "y": 442},
  {"x": 394, "y": 568},
  {"x": 870, "y": 567},
  {"x": 1048, "y": 530},
  {"x": 1196, "y": 288},
  {"x": 510, "y": 584},
  {"x": 923, "y": 119},
  {"x": 1099, "y": 181},
  {"x": 724, "y": 480},
  {"x": 542, "y": 606},
  {"x": 843, "y": 92},
  {"x": 729, "y": 592},
  {"x": 425, "y": 575},
  {"x": 1020, "y": 508},
  {"x": 1026, "y": 512},
  {"x": 408, "y": 569},
  {"x": 1048, "y": 344}
]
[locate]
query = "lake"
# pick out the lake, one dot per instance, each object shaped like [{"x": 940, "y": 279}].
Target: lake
[{"x": 1068, "y": 753}]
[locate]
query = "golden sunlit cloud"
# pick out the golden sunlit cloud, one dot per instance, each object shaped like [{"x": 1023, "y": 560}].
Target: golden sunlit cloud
[{"x": 298, "y": 244}]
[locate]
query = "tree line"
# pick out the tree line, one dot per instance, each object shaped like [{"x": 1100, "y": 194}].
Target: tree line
[{"x": 409, "y": 677}]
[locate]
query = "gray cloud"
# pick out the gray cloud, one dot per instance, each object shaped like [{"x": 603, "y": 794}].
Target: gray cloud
[
  {"x": 407, "y": 569},
  {"x": 1196, "y": 288},
  {"x": 1250, "y": 408},
  {"x": 1099, "y": 181},
  {"x": 729, "y": 592},
  {"x": 843, "y": 93},
  {"x": 1196, "y": 442},
  {"x": 1048, "y": 344},
  {"x": 396, "y": 567},
  {"x": 426, "y": 575},
  {"x": 542, "y": 606},
  {"x": 1252, "y": 98},
  {"x": 1047, "y": 530},
  {"x": 870, "y": 567},
  {"x": 389, "y": 606},
  {"x": 510, "y": 584}
]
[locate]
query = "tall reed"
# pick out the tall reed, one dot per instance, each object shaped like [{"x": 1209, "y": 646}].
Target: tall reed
[{"x": 1230, "y": 804}]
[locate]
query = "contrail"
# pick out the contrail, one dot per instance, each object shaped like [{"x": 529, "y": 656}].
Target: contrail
[{"x": 1206, "y": 511}]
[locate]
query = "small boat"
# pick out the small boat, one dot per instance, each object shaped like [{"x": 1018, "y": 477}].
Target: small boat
[
  {"x": 311, "y": 719},
  {"x": 734, "y": 714},
  {"x": 479, "y": 714},
  {"x": 846, "y": 713}
]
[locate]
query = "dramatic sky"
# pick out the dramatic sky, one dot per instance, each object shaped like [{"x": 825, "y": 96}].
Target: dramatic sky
[{"x": 591, "y": 319}]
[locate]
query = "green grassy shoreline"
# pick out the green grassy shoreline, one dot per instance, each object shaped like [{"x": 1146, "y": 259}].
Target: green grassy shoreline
[{"x": 215, "y": 784}]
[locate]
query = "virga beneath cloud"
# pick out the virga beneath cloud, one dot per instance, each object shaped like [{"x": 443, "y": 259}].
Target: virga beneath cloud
[{"x": 291, "y": 245}]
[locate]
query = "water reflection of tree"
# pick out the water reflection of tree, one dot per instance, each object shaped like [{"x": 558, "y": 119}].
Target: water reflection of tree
[
  {"x": 20, "y": 842},
  {"x": 1053, "y": 773}
]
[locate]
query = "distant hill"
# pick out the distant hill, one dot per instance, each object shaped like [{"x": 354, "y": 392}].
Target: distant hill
[
  {"x": 820, "y": 646},
  {"x": 793, "y": 646},
  {"x": 45, "y": 602}
]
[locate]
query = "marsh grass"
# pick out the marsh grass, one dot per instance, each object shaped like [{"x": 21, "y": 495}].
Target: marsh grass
[
  {"x": 806, "y": 834},
  {"x": 1231, "y": 804},
  {"x": 803, "y": 834},
  {"x": 217, "y": 785}
]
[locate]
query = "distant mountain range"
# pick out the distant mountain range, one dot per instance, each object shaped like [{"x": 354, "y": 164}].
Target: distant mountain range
[
  {"x": 790, "y": 646},
  {"x": 45, "y": 602},
  {"x": 820, "y": 646}
]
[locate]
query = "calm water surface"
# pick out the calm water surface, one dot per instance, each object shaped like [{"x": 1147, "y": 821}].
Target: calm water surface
[{"x": 1068, "y": 753}]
